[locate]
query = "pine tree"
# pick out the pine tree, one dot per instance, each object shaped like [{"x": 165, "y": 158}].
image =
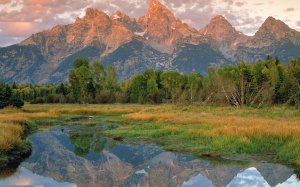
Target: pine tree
[
  {"x": 91, "y": 89},
  {"x": 5, "y": 94},
  {"x": 14, "y": 86},
  {"x": 276, "y": 93}
]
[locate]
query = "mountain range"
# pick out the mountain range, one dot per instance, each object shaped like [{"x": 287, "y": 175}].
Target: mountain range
[{"x": 157, "y": 40}]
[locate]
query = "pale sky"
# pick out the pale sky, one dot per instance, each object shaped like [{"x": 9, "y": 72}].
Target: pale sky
[{"x": 21, "y": 18}]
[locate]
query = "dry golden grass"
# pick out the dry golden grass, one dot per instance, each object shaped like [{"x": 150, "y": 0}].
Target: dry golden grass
[
  {"x": 19, "y": 117},
  {"x": 228, "y": 124},
  {"x": 38, "y": 115},
  {"x": 58, "y": 109},
  {"x": 187, "y": 118},
  {"x": 10, "y": 134},
  {"x": 85, "y": 111},
  {"x": 10, "y": 130},
  {"x": 13, "y": 118},
  {"x": 284, "y": 131}
]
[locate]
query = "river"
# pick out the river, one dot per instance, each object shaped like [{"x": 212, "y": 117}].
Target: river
[{"x": 70, "y": 156}]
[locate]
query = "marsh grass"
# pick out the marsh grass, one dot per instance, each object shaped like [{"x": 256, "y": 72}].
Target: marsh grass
[
  {"x": 195, "y": 129},
  {"x": 10, "y": 135},
  {"x": 200, "y": 129},
  {"x": 82, "y": 109}
]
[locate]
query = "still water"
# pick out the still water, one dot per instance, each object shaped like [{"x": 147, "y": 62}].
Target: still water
[{"x": 78, "y": 156}]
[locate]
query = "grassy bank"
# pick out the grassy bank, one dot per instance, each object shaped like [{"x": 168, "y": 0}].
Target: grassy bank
[
  {"x": 13, "y": 131},
  {"x": 209, "y": 130}
]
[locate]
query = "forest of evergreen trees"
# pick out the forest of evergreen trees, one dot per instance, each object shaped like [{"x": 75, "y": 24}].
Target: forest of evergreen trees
[{"x": 262, "y": 83}]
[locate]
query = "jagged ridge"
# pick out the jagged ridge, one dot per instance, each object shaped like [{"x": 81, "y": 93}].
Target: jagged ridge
[{"x": 157, "y": 40}]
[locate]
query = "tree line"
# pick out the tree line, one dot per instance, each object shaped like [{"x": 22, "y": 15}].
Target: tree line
[
  {"x": 265, "y": 82},
  {"x": 9, "y": 96}
]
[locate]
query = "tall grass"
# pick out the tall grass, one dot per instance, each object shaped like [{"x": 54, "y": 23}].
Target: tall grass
[
  {"x": 228, "y": 130},
  {"x": 10, "y": 135},
  {"x": 59, "y": 109},
  {"x": 229, "y": 125}
]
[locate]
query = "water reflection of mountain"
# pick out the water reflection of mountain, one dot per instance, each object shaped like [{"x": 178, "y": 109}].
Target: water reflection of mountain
[
  {"x": 252, "y": 177},
  {"x": 141, "y": 165},
  {"x": 24, "y": 177}
]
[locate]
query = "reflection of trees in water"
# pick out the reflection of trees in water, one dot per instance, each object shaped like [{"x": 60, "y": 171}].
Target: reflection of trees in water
[
  {"x": 297, "y": 171},
  {"x": 89, "y": 141}
]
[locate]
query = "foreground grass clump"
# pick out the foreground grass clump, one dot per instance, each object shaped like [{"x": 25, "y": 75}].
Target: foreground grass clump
[
  {"x": 272, "y": 132},
  {"x": 14, "y": 127},
  {"x": 10, "y": 135}
]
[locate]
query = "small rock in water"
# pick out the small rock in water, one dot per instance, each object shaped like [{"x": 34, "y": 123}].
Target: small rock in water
[
  {"x": 141, "y": 172},
  {"x": 211, "y": 154}
]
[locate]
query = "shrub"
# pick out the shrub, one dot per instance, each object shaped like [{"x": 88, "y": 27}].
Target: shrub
[{"x": 16, "y": 101}]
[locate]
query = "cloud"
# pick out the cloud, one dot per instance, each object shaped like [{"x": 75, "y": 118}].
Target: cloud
[
  {"x": 240, "y": 4},
  {"x": 17, "y": 29},
  {"x": 4, "y": 1},
  {"x": 10, "y": 5},
  {"x": 259, "y": 4},
  {"x": 21, "y": 18},
  {"x": 290, "y": 10}
]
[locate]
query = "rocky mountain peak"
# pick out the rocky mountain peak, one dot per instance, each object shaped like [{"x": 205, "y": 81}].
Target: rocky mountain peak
[
  {"x": 94, "y": 17},
  {"x": 219, "y": 18},
  {"x": 157, "y": 40},
  {"x": 156, "y": 8},
  {"x": 119, "y": 16},
  {"x": 163, "y": 28},
  {"x": 220, "y": 29},
  {"x": 93, "y": 13},
  {"x": 273, "y": 26},
  {"x": 157, "y": 21},
  {"x": 273, "y": 30},
  {"x": 123, "y": 21}
]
